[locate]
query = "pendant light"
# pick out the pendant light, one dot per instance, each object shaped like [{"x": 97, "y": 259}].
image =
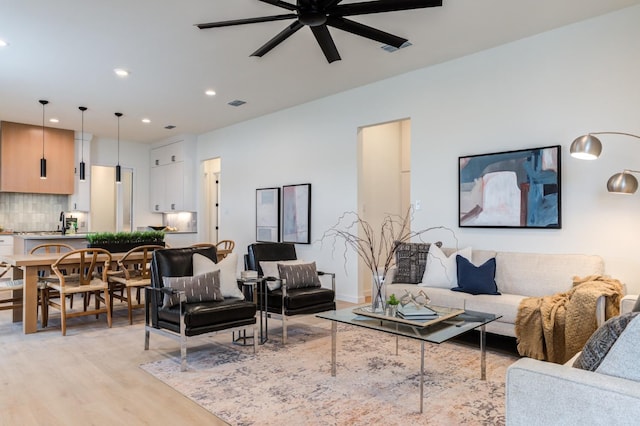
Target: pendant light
[
  {"x": 118, "y": 169},
  {"x": 82, "y": 165},
  {"x": 43, "y": 161}
]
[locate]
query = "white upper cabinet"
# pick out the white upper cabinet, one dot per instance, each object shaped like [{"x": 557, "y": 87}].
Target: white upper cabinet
[{"x": 171, "y": 177}]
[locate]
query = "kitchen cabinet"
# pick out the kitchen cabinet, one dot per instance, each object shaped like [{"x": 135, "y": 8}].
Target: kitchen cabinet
[
  {"x": 80, "y": 200},
  {"x": 20, "y": 154},
  {"x": 6, "y": 247},
  {"x": 171, "y": 177}
]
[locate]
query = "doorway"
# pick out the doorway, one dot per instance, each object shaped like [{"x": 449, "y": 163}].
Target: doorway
[
  {"x": 211, "y": 198},
  {"x": 384, "y": 180},
  {"x": 111, "y": 203}
]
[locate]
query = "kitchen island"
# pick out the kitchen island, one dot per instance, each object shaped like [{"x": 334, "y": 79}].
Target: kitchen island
[{"x": 24, "y": 243}]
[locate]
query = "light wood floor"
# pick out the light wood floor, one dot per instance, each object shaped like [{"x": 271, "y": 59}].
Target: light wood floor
[{"x": 92, "y": 375}]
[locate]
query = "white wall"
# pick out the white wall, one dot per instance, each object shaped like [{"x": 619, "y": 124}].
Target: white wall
[
  {"x": 135, "y": 156},
  {"x": 539, "y": 91}
]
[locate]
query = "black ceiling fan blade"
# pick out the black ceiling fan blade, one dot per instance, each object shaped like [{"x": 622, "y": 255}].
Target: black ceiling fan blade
[
  {"x": 330, "y": 3},
  {"x": 380, "y": 6},
  {"x": 365, "y": 31},
  {"x": 247, "y": 21},
  {"x": 279, "y": 38},
  {"x": 321, "y": 32},
  {"x": 281, "y": 4}
]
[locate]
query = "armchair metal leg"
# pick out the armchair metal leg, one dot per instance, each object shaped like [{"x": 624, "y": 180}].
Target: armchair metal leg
[
  {"x": 183, "y": 353},
  {"x": 146, "y": 340},
  {"x": 284, "y": 328},
  {"x": 255, "y": 337}
]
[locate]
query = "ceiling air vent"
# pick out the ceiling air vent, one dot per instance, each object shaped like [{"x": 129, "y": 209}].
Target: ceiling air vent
[
  {"x": 170, "y": 127},
  {"x": 237, "y": 103},
  {"x": 390, "y": 49}
]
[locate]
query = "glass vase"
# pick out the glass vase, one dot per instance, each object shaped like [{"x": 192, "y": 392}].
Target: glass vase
[{"x": 378, "y": 293}]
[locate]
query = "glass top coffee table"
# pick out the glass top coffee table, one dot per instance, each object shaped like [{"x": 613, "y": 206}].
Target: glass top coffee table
[{"x": 453, "y": 323}]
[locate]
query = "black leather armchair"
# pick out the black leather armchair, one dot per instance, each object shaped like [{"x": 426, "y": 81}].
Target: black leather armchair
[
  {"x": 190, "y": 319},
  {"x": 286, "y": 301}
]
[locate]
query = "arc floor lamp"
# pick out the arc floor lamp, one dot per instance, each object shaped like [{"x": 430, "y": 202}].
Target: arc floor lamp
[{"x": 589, "y": 147}]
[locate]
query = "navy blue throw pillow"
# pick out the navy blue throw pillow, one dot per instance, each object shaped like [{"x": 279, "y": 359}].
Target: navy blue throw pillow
[{"x": 474, "y": 279}]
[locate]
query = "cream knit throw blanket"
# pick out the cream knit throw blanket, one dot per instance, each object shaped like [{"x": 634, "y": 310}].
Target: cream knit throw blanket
[{"x": 555, "y": 328}]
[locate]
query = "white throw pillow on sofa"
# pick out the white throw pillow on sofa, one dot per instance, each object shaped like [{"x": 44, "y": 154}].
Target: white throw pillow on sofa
[
  {"x": 442, "y": 271},
  {"x": 227, "y": 267}
]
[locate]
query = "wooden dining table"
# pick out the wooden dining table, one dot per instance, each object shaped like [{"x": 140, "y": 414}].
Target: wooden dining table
[{"x": 26, "y": 266}]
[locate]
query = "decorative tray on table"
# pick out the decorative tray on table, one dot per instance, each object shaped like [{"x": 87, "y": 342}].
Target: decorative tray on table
[{"x": 411, "y": 315}]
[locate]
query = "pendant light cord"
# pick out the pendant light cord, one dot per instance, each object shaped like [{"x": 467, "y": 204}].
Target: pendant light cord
[
  {"x": 82, "y": 136},
  {"x": 119, "y": 139},
  {"x": 42, "y": 129}
]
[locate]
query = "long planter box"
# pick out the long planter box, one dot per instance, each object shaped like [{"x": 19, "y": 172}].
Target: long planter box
[{"x": 123, "y": 248}]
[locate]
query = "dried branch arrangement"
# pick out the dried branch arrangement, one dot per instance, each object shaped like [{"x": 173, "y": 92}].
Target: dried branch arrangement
[{"x": 376, "y": 248}]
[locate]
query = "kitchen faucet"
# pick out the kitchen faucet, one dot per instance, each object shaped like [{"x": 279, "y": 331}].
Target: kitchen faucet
[{"x": 62, "y": 220}]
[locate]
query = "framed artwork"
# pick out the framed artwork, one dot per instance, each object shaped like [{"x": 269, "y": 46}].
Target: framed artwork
[
  {"x": 296, "y": 213},
  {"x": 268, "y": 215},
  {"x": 513, "y": 189}
]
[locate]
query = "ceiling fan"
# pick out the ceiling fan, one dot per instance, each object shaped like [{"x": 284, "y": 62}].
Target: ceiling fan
[{"x": 318, "y": 14}]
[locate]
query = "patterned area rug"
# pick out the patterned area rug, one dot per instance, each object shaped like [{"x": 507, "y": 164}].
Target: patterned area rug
[{"x": 292, "y": 384}]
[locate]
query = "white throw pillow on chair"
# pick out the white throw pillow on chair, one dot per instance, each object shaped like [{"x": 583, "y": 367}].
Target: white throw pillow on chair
[{"x": 227, "y": 267}]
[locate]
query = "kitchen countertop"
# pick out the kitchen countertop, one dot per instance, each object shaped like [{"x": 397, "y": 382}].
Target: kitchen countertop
[{"x": 49, "y": 236}]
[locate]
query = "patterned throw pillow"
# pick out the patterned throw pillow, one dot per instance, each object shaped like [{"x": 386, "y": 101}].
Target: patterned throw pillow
[
  {"x": 300, "y": 276},
  {"x": 199, "y": 288},
  {"x": 411, "y": 261},
  {"x": 600, "y": 342}
]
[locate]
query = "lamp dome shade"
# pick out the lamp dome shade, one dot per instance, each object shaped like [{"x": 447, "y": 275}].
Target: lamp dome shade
[
  {"x": 622, "y": 183},
  {"x": 587, "y": 147}
]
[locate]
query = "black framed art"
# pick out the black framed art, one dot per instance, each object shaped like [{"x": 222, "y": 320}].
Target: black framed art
[
  {"x": 512, "y": 189},
  {"x": 268, "y": 215},
  {"x": 296, "y": 213}
]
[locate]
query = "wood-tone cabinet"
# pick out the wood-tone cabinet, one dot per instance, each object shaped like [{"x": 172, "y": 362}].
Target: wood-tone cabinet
[
  {"x": 20, "y": 154},
  {"x": 171, "y": 177}
]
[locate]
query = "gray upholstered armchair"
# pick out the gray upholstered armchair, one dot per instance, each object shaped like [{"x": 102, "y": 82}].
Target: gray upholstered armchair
[{"x": 283, "y": 297}]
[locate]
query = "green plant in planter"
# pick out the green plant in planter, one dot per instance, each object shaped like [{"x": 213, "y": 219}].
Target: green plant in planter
[
  {"x": 393, "y": 300},
  {"x": 125, "y": 238}
]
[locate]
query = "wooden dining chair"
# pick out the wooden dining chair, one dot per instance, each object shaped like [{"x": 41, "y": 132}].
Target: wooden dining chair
[
  {"x": 92, "y": 266},
  {"x": 10, "y": 290},
  {"x": 224, "y": 248},
  {"x": 133, "y": 273},
  {"x": 45, "y": 276}
]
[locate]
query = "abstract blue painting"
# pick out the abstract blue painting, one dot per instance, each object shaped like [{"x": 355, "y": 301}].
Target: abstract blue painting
[{"x": 513, "y": 189}]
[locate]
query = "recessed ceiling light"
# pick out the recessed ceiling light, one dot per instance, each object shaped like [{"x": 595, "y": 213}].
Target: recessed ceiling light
[
  {"x": 146, "y": 121},
  {"x": 54, "y": 120},
  {"x": 3, "y": 43},
  {"x": 121, "y": 72},
  {"x": 210, "y": 92}
]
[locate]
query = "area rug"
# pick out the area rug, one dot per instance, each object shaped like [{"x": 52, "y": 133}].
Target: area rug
[{"x": 292, "y": 384}]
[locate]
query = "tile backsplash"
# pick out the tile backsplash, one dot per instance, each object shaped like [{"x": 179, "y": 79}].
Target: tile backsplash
[{"x": 31, "y": 212}]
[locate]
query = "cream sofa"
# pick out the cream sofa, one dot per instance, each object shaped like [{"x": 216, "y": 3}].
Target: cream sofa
[
  {"x": 544, "y": 393},
  {"x": 518, "y": 275}
]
